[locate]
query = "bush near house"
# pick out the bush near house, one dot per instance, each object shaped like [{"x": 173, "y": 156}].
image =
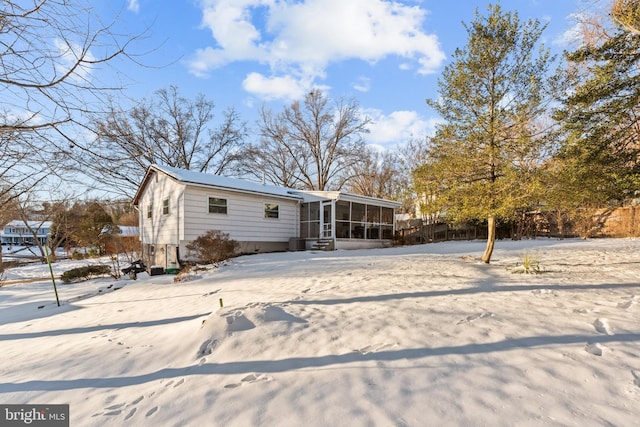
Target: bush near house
[
  {"x": 214, "y": 246},
  {"x": 84, "y": 273}
]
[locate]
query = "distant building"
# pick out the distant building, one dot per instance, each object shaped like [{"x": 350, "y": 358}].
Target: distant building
[{"x": 19, "y": 233}]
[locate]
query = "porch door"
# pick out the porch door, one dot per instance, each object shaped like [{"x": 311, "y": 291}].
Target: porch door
[{"x": 327, "y": 219}]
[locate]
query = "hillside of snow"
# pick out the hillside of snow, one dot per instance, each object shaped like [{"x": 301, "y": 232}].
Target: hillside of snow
[{"x": 406, "y": 336}]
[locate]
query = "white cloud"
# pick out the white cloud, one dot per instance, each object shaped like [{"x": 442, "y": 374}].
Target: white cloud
[
  {"x": 301, "y": 38},
  {"x": 134, "y": 6},
  {"x": 397, "y": 127},
  {"x": 572, "y": 36},
  {"x": 363, "y": 84},
  {"x": 269, "y": 88}
]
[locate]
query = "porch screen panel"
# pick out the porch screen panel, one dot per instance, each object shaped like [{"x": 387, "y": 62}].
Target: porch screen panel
[
  {"x": 387, "y": 216},
  {"x": 310, "y": 220},
  {"x": 373, "y": 222},
  {"x": 343, "y": 219},
  {"x": 358, "y": 220},
  {"x": 387, "y": 223}
]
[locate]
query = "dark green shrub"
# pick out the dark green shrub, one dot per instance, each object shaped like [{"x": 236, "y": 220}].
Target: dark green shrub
[
  {"x": 213, "y": 246},
  {"x": 84, "y": 273}
]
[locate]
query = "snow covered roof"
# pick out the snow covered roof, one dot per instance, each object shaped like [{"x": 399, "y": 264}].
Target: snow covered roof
[
  {"x": 241, "y": 185},
  {"x": 349, "y": 197},
  {"x": 121, "y": 230},
  {"x": 35, "y": 225},
  {"x": 211, "y": 180}
]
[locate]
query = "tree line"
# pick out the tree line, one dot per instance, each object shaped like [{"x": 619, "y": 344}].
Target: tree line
[{"x": 521, "y": 129}]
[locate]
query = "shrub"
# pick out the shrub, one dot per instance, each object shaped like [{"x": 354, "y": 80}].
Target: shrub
[
  {"x": 84, "y": 273},
  {"x": 213, "y": 246},
  {"x": 528, "y": 265}
]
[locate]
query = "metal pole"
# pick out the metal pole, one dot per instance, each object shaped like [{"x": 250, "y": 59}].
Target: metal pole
[{"x": 53, "y": 278}]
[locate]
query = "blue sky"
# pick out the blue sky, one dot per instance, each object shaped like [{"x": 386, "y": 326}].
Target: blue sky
[{"x": 385, "y": 54}]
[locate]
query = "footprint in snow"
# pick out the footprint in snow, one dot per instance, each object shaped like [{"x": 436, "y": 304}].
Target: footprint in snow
[
  {"x": 473, "y": 317},
  {"x": 130, "y": 414},
  {"x": 602, "y": 326},
  {"x": 118, "y": 406},
  {"x": 628, "y": 304},
  {"x": 595, "y": 349},
  {"x": 373, "y": 348},
  {"x": 636, "y": 377},
  {"x": 251, "y": 378},
  {"x": 112, "y": 410},
  {"x": 151, "y": 411}
]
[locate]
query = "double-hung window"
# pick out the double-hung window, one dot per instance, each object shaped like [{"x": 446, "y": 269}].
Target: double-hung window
[
  {"x": 217, "y": 205},
  {"x": 270, "y": 210}
]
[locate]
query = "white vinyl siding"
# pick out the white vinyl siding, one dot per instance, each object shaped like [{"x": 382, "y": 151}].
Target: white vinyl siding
[
  {"x": 245, "y": 219},
  {"x": 160, "y": 228}
]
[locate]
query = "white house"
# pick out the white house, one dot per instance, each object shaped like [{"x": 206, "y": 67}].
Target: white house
[
  {"x": 176, "y": 206},
  {"x": 20, "y": 233}
]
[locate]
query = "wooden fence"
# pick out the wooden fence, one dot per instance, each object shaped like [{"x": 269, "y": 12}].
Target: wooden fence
[{"x": 615, "y": 222}]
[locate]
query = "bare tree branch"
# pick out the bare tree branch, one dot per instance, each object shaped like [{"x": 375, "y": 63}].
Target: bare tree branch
[{"x": 309, "y": 145}]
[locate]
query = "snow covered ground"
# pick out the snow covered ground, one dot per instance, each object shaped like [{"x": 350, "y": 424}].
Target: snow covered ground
[{"x": 409, "y": 336}]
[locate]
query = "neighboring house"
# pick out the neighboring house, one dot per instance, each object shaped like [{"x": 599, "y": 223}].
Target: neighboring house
[
  {"x": 18, "y": 233},
  {"x": 176, "y": 206}
]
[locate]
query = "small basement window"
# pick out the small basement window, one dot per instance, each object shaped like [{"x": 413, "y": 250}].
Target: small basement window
[
  {"x": 217, "y": 205},
  {"x": 270, "y": 210}
]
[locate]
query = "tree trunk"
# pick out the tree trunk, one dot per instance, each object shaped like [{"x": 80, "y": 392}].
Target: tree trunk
[
  {"x": 560, "y": 220},
  {"x": 491, "y": 239}
]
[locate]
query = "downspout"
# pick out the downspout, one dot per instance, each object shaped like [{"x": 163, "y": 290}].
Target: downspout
[
  {"x": 140, "y": 229},
  {"x": 178, "y": 207}
]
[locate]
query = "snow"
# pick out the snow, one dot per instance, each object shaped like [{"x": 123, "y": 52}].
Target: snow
[{"x": 405, "y": 336}]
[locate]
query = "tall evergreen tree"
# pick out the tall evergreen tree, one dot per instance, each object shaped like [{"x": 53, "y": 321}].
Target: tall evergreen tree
[
  {"x": 601, "y": 116},
  {"x": 492, "y": 96},
  {"x": 627, "y": 14}
]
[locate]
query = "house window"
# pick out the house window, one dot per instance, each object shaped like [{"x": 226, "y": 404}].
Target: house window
[
  {"x": 149, "y": 210},
  {"x": 270, "y": 210},
  {"x": 217, "y": 205},
  {"x": 165, "y": 207}
]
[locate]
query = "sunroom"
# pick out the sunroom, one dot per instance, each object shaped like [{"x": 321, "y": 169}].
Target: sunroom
[{"x": 336, "y": 220}]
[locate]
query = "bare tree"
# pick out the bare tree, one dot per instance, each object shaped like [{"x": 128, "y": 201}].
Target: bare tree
[
  {"x": 314, "y": 146},
  {"x": 270, "y": 160},
  {"x": 54, "y": 54},
  {"x": 377, "y": 174},
  {"x": 168, "y": 130},
  {"x": 49, "y": 50},
  {"x": 412, "y": 156}
]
